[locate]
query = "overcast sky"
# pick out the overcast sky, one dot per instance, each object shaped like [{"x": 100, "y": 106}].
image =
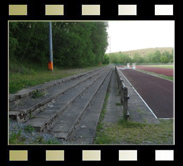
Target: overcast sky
[{"x": 131, "y": 35}]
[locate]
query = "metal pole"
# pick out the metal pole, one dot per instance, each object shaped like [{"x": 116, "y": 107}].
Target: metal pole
[
  {"x": 50, "y": 63},
  {"x": 110, "y": 44}
]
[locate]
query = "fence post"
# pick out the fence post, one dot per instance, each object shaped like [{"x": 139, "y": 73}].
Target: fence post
[
  {"x": 122, "y": 92},
  {"x": 125, "y": 105}
]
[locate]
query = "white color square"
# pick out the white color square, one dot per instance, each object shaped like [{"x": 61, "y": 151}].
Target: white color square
[
  {"x": 163, "y": 9},
  {"x": 164, "y": 155},
  {"x": 127, "y": 155},
  {"x": 90, "y": 9},
  {"x": 127, "y": 9}
]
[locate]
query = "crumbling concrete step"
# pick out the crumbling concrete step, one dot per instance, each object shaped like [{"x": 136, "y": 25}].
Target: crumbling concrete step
[
  {"x": 48, "y": 117},
  {"x": 22, "y": 109},
  {"x": 86, "y": 128},
  {"x": 28, "y": 91},
  {"x": 67, "y": 122}
]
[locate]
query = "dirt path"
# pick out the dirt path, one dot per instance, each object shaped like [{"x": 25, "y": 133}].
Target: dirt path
[{"x": 157, "y": 92}]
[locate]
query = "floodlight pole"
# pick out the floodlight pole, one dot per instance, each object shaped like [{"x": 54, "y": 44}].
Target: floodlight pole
[
  {"x": 110, "y": 44},
  {"x": 50, "y": 63}
]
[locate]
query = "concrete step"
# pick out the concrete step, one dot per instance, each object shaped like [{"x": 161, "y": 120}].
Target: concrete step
[
  {"x": 23, "y": 109},
  {"x": 44, "y": 120},
  {"x": 28, "y": 91},
  {"x": 71, "y": 117},
  {"x": 86, "y": 129}
]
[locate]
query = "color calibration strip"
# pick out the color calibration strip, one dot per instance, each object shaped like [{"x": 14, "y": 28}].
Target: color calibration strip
[
  {"x": 90, "y": 10},
  {"x": 91, "y": 155},
  {"x": 17, "y": 10}
]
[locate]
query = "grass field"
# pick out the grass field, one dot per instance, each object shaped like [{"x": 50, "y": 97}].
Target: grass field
[
  {"x": 161, "y": 66},
  {"x": 128, "y": 132},
  {"x": 157, "y": 75}
]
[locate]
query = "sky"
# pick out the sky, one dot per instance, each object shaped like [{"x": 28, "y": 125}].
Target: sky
[{"x": 132, "y": 35}]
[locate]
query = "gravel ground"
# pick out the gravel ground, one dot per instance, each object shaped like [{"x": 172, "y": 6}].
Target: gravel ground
[{"x": 32, "y": 137}]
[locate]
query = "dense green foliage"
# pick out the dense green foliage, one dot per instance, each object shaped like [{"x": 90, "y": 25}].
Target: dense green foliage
[
  {"x": 75, "y": 44},
  {"x": 105, "y": 59},
  {"x": 154, "y": 57}
]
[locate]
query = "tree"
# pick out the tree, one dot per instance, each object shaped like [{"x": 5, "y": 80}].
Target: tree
[
  {"x": 75, "y": 44},
  {"x": 164, "y": 59},
  {"x": 105, "y": 59}
]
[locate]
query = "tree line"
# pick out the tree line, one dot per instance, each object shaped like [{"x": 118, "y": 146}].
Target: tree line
[
  {"x": 75, "y": 44},
  {"x": 153, "y": 57}
]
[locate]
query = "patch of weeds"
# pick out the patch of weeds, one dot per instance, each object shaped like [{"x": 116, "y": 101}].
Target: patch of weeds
[
  {"x": 39, "y": 140},
  {"x": 145, "y": 120},
  {"x": 129, "y": 124},
  {"x": 104, "y": 107},
  {"x": 118, "y": 104},
  {"x": 29, "y": 129},
  {"x": 130, "y": 132},
  {"x": 16, "y": 138},
  {"x": 31, "y": 115},
  {"x": 140, "y": 111},
  {"x": 37, "y": 94},
  {"x": 102, "y": 138},
  {"x": 99, "y": 126},
  {"x": 52, "y": 141},
  {"x": 117, "y": 94}
]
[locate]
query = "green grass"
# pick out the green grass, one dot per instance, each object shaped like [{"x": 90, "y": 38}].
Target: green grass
[
  {"x": 23, "y": 75},
  {"x": 17, "y": 138},
  {"x": 157, "y": 75},
  {"x": 118, "y": 104},
  {"x": 161, "y": 66},
  {"x": 29, "y": 129},
  {"x": 100, "y": 125},
  {"x": 135, "y": 133},
  {"x": 128, "y": 132},
  {"x": 38, "y": 94}
]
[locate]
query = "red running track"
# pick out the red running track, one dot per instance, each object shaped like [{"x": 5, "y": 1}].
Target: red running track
[
  {"x": 156, "y": 92},
  {"x": 157, "y": 70}
]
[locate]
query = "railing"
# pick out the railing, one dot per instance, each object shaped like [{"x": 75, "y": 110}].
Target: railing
[{"x": 123, "y": 91}]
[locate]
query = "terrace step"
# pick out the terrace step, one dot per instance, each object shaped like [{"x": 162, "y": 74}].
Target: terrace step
[
  {"x": 23, "y": 109},
  {"x": 28, "y": 91},
  {"x": 44, "y": 120},
  {"x": 71, "y": 116},
  {"x": 86, "y": 129}
]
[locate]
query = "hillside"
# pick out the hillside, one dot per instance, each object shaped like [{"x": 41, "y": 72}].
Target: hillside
[
  {"x": 143, "y": 52},
  {"x": 149, "y": 55}
]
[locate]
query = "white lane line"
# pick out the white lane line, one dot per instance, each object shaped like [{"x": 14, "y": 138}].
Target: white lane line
[{"x": 141, "y": 98}]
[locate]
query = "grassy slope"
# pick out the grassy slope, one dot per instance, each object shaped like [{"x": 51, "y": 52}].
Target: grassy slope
[
  {"x": 146, "y": 51},
  {"x": 23, "y": 75}
]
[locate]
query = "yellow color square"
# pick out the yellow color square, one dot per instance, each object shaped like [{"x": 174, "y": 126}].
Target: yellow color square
[
  {"x": 90, "y": 9},
  {"x": 54, "y": 155},
  {"x": 127, "y": 9},
  {"x": 54, "y": 9},
  {"x": 18, "y": 10},
  {"x": 18, "y": 155},
  {"x": 91, "y": 155}
]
